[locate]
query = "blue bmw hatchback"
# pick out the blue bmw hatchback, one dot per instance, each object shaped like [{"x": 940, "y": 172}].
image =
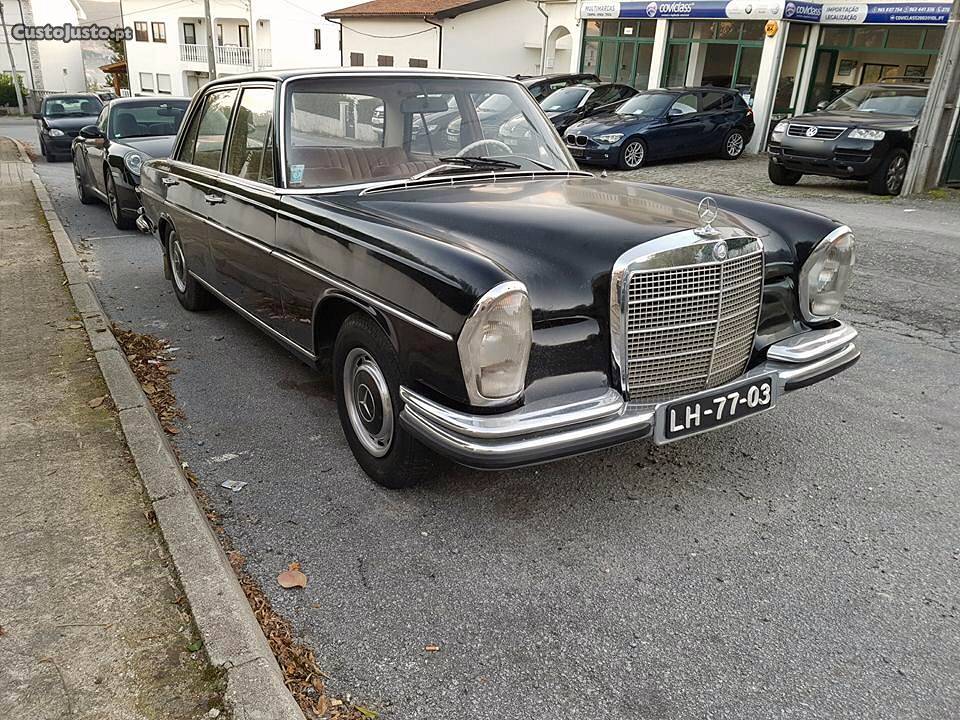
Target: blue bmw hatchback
[{"x": 661, "y": 124}]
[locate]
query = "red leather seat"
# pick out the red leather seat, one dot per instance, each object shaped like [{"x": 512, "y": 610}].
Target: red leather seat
[{"x": 346, "y": 165}]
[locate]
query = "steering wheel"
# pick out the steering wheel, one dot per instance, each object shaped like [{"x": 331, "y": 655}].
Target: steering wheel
[{"x": 485, "y": 141}]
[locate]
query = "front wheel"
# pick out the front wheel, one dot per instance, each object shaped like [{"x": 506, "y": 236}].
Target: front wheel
[
  {"x": 191, "y": 294},
  {"x": 781, "y": 176},
  {"x": 632, "y": 154},
  {"x": 85, "y": 197},
  {"x": 888, "y": 178},
  {"x": 733, "y": 145},
  {"x": 366, "y": 376}
]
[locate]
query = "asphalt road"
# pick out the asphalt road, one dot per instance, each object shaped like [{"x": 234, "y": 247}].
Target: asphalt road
[{"x": 805, "y": 564}]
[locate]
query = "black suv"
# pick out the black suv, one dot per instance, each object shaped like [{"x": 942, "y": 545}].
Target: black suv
[{"x": 865, "y": 134}]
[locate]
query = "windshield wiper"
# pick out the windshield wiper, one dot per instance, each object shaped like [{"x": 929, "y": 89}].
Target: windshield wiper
[{"x": 479, "y": 161}]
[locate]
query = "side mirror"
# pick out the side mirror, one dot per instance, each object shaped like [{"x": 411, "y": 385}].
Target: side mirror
[
  {"x": 38, "y": 116},
  {"x": 90, "y": 132},
  {"x": 822, "y": 105}
]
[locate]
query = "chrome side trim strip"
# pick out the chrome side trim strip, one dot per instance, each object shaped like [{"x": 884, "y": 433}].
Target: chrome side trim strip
[
  {"x": 366, "y": 297},
  {"x": 254, "y": 319}
]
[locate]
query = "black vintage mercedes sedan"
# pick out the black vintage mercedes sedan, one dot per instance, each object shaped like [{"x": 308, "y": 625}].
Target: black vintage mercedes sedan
[
  {"x": 108, "y": 154},
  {"x": 499, "y": 308},
  {"x": 865, "y": 134}
]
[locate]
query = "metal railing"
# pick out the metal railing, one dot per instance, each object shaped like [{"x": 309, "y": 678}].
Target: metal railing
[{"x": 226, "y": 55}]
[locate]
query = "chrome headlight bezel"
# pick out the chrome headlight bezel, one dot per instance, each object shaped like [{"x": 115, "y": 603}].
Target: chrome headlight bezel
[
  {"x": 837, "y": 247},
  {"x": 484, "y": 315},
  {"x": 866, "y": 134},
  {"x": 133, "y": 161}
]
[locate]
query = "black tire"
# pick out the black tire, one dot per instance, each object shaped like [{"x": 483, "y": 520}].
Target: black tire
[
  {"x": 191, "y": 294},
  {"x": 48, "y": 156},
  {"x": 888, "y": 178},
  {"x": 781, "y": 176},
  {"x": 733, "y": 145},
  {"x": 123, "y": 222},
  {"x": 633, "y": 153},
  {"x": 85, "y": 197},
  {"x": 398, "y": 460}
]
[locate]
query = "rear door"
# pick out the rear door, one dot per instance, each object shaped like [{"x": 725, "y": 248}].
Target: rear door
[
  {"x": 685, "y": 127},
  {"x": 718, "y": 115},
  {"x": 244, "y": 210}
]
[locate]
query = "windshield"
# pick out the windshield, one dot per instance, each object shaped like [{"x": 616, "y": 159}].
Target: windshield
[
  {"x": 72, "y": 106},
  {"x": 563, "y": 100},
  {"x": 348, "y": 131},
  {"x": 646, "y": 104},
  {"x": 886, "y": 100},
  {"x": 151, "y": 118}
]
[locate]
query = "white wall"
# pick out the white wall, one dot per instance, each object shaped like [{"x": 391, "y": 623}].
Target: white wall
[
  {"x": 11, "y": 13},
  {"x": 61, "y": 63},
  {"x": 492, "y": 39},
  {"x": 401, "y": 38}
]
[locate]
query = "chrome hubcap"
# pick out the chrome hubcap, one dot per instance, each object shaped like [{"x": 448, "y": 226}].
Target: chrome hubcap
[
  {"x": 178, "y": 264},
  {"x": 896, "y": 174},
  {"x": 735, "y": 144},
  {"x": 633, "y": 154},
  {"x": 368, "y": 402}
]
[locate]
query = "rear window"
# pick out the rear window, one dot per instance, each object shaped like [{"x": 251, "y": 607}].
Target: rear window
[
  {"x": 147, "y": 119},
  {"x": 76, "y": 106}
]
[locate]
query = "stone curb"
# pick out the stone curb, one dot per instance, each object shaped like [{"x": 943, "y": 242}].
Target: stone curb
[{"x": 231, "y": 634}]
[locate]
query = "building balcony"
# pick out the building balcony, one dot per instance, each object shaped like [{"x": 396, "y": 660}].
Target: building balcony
[{"x": 232, "y": 55}]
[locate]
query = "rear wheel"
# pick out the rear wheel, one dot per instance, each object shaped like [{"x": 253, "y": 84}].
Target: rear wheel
[
  {"x": 123, "y": 222},
  {"x": 366, "y": 376},
  {"x": 781, "y": 176},
  {"x": 733, "y": 145},
  {"x": 191, "y": 294},
  {"x": 888, "y": 178},
  {"x": 632, "y": 154}
]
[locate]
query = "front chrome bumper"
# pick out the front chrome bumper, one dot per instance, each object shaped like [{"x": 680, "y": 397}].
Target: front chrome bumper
[{"x": 582, "y": 422}]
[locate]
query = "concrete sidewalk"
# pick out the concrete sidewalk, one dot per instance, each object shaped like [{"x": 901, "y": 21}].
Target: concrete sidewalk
[{"x": 93, "y": 623}]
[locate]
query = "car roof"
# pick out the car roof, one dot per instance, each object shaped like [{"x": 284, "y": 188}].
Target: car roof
[
  {"x": 534, "y": 79},
  {"x": 895, "y": 85},
  {"x": 119, "y": 102},
  {"x": 282, "y": 75},
  {"x": 72, "y": 95},
  {"x": 699, "y": 88}
]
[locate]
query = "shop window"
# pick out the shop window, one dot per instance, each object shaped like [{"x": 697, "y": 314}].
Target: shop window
[
  {"x": 628, "y": 29},
  {"x": 869, "y": 37},
  {"x": 933, "y": 39},
  {"x": 591, "y": 52},
  {"x": 680, "y": 29},
  {"x": 593, "y": 28},
  {"x": 609, "y": 28},
  {"x": 835, "y": 36},
  {"x": 608, "y": 59},
  {"x": 641, "y": 78},
  {"x": 875, "y": 72},
  {"x": 905, "y": 37},
  {"x": 647, "y": 28},
  {"x": 752, "y": 31},
  {"x": 797, "y": 34},
  {"x": 625, "y": 63},
  {"x": 677, "y": 65},
  {"x": 725, "y": 30}
]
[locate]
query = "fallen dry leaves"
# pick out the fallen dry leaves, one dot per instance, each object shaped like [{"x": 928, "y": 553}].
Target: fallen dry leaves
[
  {"x": 292, "y": 577},
  {"x": 148, "y": 357}
]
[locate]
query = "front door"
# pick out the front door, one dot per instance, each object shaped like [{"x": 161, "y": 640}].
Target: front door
[{"x": 821, "y": 85}]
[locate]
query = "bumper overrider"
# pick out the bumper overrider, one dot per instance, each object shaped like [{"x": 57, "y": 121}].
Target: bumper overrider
[{"x": 579, "y": 423}]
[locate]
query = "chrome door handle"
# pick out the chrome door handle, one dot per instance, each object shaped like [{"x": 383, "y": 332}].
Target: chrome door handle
[
  {"x": 213, "y": 199},
  {"x": 169, "y": 181}
]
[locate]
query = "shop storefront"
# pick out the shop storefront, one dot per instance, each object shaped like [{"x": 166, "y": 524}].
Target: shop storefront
[{"x": 784, "y": 56}]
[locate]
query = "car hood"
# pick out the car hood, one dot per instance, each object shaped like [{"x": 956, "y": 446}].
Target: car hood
[
  {"x": 874, "y": 121},
  {"x": 155, "y": 147},
  {"x": 609, "y": 122},
  {"x": 558, "y": 235},
  {"x": 70, "y": 123}
]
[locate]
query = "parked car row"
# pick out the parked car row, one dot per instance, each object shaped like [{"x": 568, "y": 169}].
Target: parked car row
[{"x": 494, "y": 305}]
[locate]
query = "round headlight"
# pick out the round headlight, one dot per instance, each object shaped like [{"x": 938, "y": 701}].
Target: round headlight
[
  {"x": 826, "y": 275},
  {"x": 495, "y": 344},
  {"x": 133, "y": 161}
]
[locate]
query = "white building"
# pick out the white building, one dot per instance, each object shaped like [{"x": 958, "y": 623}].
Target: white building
[
  {"x": 168, "y": 54},
  {"x": 497, "y": 36},
  {"x": 46, "y": 65}
]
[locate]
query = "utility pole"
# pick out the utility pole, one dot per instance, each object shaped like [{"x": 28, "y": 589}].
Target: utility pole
[
  {"x": 13, "y": 64},
  {"x": 211, "y": 57},
  {"x": 931, "y": 143}
]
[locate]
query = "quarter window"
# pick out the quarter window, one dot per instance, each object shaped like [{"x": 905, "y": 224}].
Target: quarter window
[
  {"x": 159, "y": 30},
  {"x": 140, "y": 32},
  {"x": 713, "y": 101},
  {"x": 203, "y": 144},
  {"x": 250, "y": 154}
]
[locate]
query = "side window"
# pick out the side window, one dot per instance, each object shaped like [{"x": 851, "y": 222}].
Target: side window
[
  {"x": 625, "y": 91},
  {"x": 684, "y": 105},
  {"x": 203, "y": 144},
  {"x": 604, "y": 95},
  {"x": 250, "y": 154},
  {"x": 102, "y": 120},
  {"x": 713, "y": 101}
]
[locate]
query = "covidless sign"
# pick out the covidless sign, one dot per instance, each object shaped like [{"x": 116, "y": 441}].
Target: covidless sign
[{"x": 929, "y": 13}]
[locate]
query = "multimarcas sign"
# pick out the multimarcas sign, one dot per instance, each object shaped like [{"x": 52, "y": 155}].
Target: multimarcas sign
[{"x": 920, "y": 13}]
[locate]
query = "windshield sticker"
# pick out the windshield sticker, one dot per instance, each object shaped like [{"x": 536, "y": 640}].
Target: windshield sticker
[{"x": 296, "y": 174}]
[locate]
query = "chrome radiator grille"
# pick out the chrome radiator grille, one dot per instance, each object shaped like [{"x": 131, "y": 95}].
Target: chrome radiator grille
[{"x": 690, "y": 328}]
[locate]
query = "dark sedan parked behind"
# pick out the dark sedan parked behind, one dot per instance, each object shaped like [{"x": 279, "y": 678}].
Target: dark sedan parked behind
[
  {"x": 567, "y": 106},
  {"x": 60, "y": 119},
  {"x": 107, "y": 155},
  {"x": 661, "y": 124}
]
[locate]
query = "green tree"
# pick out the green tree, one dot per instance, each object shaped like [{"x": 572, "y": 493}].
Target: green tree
[
  {"x": 118, "y": 55},
  {"x": 8, "y": 95}
]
